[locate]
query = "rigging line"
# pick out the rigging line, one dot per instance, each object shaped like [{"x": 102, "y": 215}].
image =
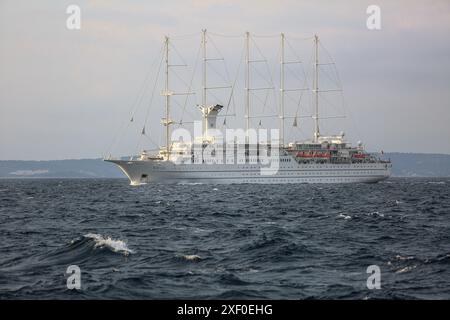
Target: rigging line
[
  {"x": 177, "y": 53},
  {"x": 153, "y": 91},
  {"x": 254, "y": 94},
  {"x": 343, "y": 100},
  {"x": 215, "y": 46},
  {"x": 231, "y": 98},
  {"x": 271, "y": 82},
  {"x": 266, "y": 63},
  {"x": 305, "y": 73},
  {"x": 134, "y": 107},
  {"x": 265, "y": 101},
  {"x": 138, "y": 144},
  {"x": 262, "y": 76},
  {"x": 150, "y": 139},
  {"x": 304, "y": 84},
  {"x": 218, "y": 73},
  {"x": 336, "y": 73},
  {"x": 138, "y": 102},
  {"x": 292, "y": 49},
  {"x": 228, "y": 78},
  {"x": 333, "y": 81},
  {"x": 181, "y": 107},
  {"x": 297, "y": 57},
  {"x": 192, "y": 80},
  {"x": 277, "y": 93},
  {"x": 328, "y": 102},
  {"x": 226, "y": 36},
  {"x": 259, "y": 98},
  {"x": 185, "y": 36},
  {"x": 180, "y": 78},
  {"x": 296, "y": 76},
  {"x": 266, "y": 35},
  {"x": 291, "y": 98},
  {"x": 302, "y": 133},
  {"x": 339, "y": 82},
  {"x": 291, "y": 128},
  {"x": 301, "y": 38},
  {"x": 215, "y": 97}
]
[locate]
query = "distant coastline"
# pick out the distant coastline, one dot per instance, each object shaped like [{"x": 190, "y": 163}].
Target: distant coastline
[{"x": 404, "y": 165}]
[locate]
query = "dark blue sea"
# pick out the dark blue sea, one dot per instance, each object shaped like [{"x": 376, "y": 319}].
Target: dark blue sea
[{"x": 224, "y": 241}]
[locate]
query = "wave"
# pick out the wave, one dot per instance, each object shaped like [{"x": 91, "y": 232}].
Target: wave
[
  {"x": 375, "y": 213},
  {"x": 406, "y": 269},
  {"x": 344, "y": 216},
  {"x": 91, "y": 248},
  {"x": 190, "y": 183},
  {"x": 399, "y": 257},
  {"x": 188, "y": 257},
  {"x": 192, "y": 257},
  {"x": 114, "y": 245}
]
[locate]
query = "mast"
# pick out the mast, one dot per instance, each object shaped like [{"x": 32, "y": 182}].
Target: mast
[
  {"x": 247, "y": 85},
  {"x": 166, "y": 122},
  {"x": 282, "y": 91},
  {"x": 316, "y": 88},
  {"x": 204, "y": 67},
  {"x": 204, "y": 106}
]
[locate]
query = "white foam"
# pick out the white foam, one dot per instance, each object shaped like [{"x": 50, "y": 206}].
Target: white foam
[
  {"x": 192, "y": 257},
  {"x": 405, "y": 269},
  {"x": 114, "y": 245},
  {"x": 375, "y": 213},
  {"x": 190, "y": 183},
  {"x": 344, "y": 216},
  {"x": 399, "y": 257}
]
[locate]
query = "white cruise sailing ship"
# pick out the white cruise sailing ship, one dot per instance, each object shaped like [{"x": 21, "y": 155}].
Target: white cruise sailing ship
[{"x": 208, "y": 159}]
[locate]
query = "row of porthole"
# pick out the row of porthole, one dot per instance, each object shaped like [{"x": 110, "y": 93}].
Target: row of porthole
[
  {"x": 311, "y": 173},
  {"x": 303, "y": 173},
  {"x": 304, "y": 180}
]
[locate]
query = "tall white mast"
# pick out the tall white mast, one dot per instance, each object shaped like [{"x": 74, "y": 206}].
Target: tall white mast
[
  {"x": 204, "y": 106},
  {"x": 204, "y": 67},
  {"x": 247, "y": 84},
  {"x": 167, "y": 121},
  {"x": 316, "y": 88},
  {"x": 209, "y": 111},
  {"x": 282, "y": 91}
]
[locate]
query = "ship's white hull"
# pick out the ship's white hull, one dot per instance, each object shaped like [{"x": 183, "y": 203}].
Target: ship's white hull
[{"x": 149, "y": 171}]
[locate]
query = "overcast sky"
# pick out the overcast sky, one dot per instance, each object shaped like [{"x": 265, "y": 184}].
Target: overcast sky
[{"x": 67, "y": 93}]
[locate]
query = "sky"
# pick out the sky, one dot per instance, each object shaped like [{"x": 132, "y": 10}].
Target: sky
[{"x": 68, "y": 94}]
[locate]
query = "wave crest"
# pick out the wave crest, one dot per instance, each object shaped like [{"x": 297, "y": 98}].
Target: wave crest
[{"x": 115, "y": 245}]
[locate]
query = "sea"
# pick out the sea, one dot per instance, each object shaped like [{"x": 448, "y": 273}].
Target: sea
[{"x": 389, "y": 240}]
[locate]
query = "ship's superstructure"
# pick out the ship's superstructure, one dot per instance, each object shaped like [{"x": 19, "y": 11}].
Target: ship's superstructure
[{"x": 213, "y": 157}]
